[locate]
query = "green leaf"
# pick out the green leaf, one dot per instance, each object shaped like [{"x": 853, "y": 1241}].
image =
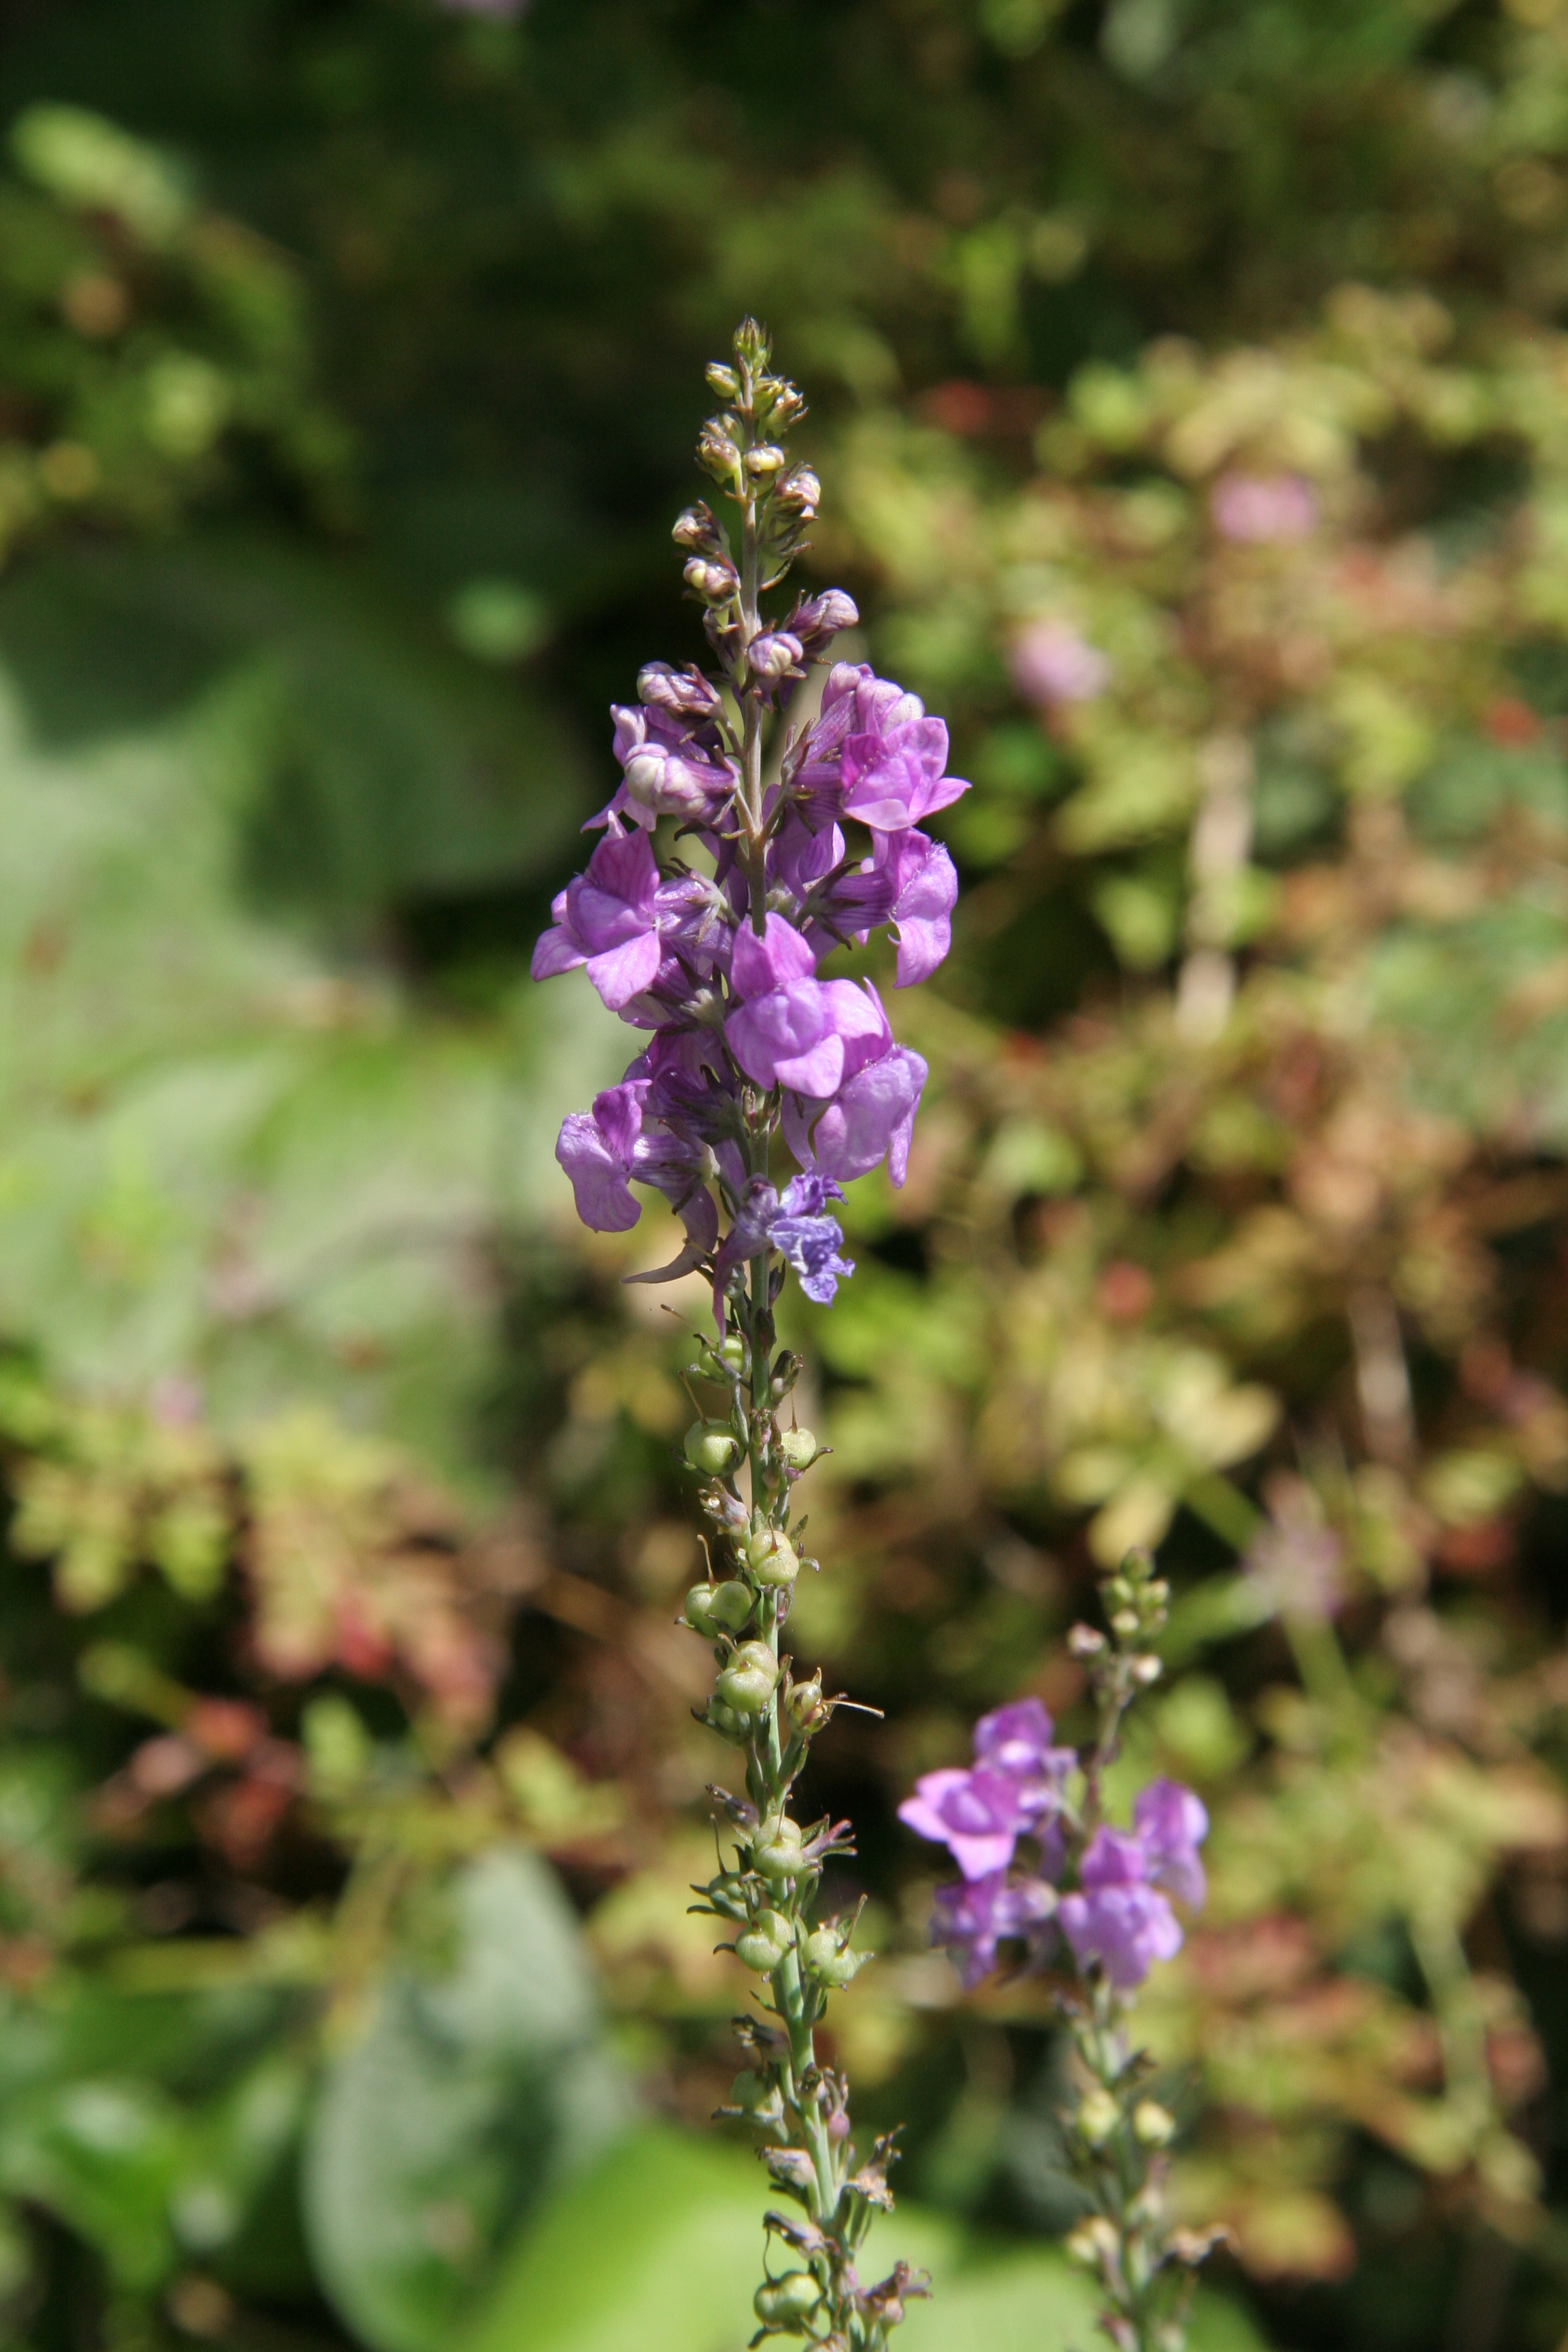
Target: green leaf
[{"x": 468, "y": 2095}]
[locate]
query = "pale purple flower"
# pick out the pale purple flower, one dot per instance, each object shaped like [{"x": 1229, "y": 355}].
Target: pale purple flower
[
  {"x": 602, "y": 1150},
  {"x": 872, "y": 1115},
  {"x": 1258, "y": 508},
  {"x": 978, "y": 1814},
  {"x": 872, "y": 754},
  {"x": 1117, "y": 1918},
  {"x": 671, "y": 768},
  {"x": 611, "y": 918},
  {"x": 924, "y": 882},
  {"x": 1016, "y": 1739},
  {"x": 796, "y": 1224},
  {"x": 1052, "y": 663},
  {"x": 833, "y": 901},
  {"x": 790, "y": 1029},
  {"x": 1169, "y": 1824},
  {"x": 971, "y": 1915}
]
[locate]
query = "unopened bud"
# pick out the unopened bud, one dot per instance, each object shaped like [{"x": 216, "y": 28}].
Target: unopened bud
[
  {"x": 716, "y": 451},
  {"x": 711, "y": 577},
  {"x": 747, "y": 1683},
  {"x": 774, "y": 653},
  {"x": 800, "y": 491},
  {"x": 823, "y": 617},
  {"x": 829, "y": 1961},
  {"x": 711, "y": 1448},
  {"x": 1084, "y": 1642},
  {"x": 685, "y": 691},
  {"x": 1092, "y": 2242},
  {"x": 721, "y": 380},
  {"x": 1146, "y": 1669},
  {"x": 787, "y": 2303},
  {"x": 764, "y": 1943},
  {"x": 1097, "y": 2117},
  {"x": 697, "y": 529},
  {"x": 787, "y": 1369},
  {"x": 1125, "y": 1622},
  {"x": 798, "y": 1447},
  {"x": 752, "y": 347},
  {"x": 776, "y": 1853},
  {"x": 771, "y": 1556},
  {"x": 1152, "y": 2125},
  {"x": 765, "y": 459}
]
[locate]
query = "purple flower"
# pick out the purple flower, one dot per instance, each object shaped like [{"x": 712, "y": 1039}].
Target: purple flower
[
  {"x": 775, "y": 655},
  {"x": 1051, "y": 663},
  {"x": 924, "y": 887},
  {"x": 833, "y": 901},
  {"x": 1016, "y": 1739},
  {"x": 793, "y": 1224},
  {"x": 1118, "y": 1918},
  {"x": 872, "y": 754},
  {"x": 871, "y": 1115},
  {"x": 970, "y": 1916},
  {"x": 611, "y": 918},
  {"x": 602, "y": 1150},
  {"x": 1171, "y": 1825},
  {"x": 671, "y": 768},
  {"x": 1257, "y": 507},
  {"x": 979, "y": 1815},
  {"x": 790, "y": 1029}
]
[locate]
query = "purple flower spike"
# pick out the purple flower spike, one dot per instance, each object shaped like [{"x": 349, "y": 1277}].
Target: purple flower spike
[
  {"x": 1118, "y": 1920},
  {"x": 970, "y": 1916},
  {"x": 1171, "y": 1825},
  {"x": 978, "y": 1815}
]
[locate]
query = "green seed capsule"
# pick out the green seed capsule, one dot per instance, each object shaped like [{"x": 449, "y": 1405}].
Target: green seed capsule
[
  {"x": 771, "y": 1556},
  {"x": 798, "y": 1447},
  {"x": 748, "y": 1681},
  {"x": 731, "y": 1606},
  {"x": 710, "y": 1448},
  {"x": 729, "y": 1723},
  {"x": 764, "y": 1943},
  {"x": 776, "y": 1853},
  {"x": 788, "y": 2302},
  {"x": 826, "y": 1961}
]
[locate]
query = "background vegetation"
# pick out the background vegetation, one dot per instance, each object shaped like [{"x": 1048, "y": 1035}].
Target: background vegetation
[{"x": 350, "y": 357}]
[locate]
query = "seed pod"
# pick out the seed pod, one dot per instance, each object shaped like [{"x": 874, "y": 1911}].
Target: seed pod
[
  {"x": 731, "y": 1606},
  {"x": 759, "y": 2103},
  {"x": 729, "y": 1723},
  {"x": 700, "y": 1607},
  {"x": 764, "y": 1943},
  {"x": 771, "y": 1556},
  {"x": 803, "y": 1705},
  {"x": 799, "y": 1448},
  {"x": 732, "y": 1352},
  {"x": 710, "y": 1448},
  {"x": 830, "y": 1962},
  {"x": 747, "y": 1683},
  {"x": 788, "y": 2302},
  {"x": 776, "y": 1853}
]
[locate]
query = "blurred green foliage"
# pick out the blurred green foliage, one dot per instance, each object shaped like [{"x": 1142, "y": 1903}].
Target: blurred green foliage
[{"x": 349, "y": 357}]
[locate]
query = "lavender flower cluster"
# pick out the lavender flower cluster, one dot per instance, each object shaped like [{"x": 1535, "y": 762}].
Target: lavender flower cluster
[
  {"x": 1117, "y": 1914},
  {"x": 677, "y": 948}
]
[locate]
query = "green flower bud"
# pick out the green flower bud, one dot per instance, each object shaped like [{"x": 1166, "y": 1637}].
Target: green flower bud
[
  {"x": 827, "y": 1960},
  {"x": 753, "y": 348},
  {"x": 799, "y": 1448},
  {"x": 748, "y": 1680},
  {"x": 788, "y": 2302},
  {"x": 1152, "y": 2125},
  {"x": 771, "y": 1556},
  {"x": 765, "y": 460},
  {"x": 721, "y": 380},
  {"x": 764, "y": 1943},
  {"x": 776, "y": 1851},
  {"x": 1097, "y": 2117},
  {"x": 710, "y": 1447}
]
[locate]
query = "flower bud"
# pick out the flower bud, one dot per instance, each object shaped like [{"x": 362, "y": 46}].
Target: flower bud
[
  {"x": 1097, "y": 2117},
  {"x": 1152, "y": 2125},
  {"x": 788, "y": 2302},
  {"x": 1125, "y": 1622},
  {"x": 803, "y": 1705},
  {"x": 684, "y": 691},
  {"x": 787, "y": 1369},
  {"x": 753, "y": 348},
  {"x": 767, "y": 459},
  {"x": 785, "y": 405},
  {"x": 1093, "y": 2241},
  {"x": 716, "y": 451},
  {"x": 774, "y": 653},
  {"x": 721, "y": 380},
  {"x": 712, "y": 578},
  {"x": 798, "y": 1447},
  {"x": 747, "y": 1683},
  {"x": 759, "y": 2103},
  {"x": 765, "y": 1943},
  {"x": 776, "y": 1852},
  {"x": 697, "y": 529},
  {"x": 1084, "y": 1642},
  {"x": 710, "y": 1447},
  {"x": 771, "y": 1556},
  {"x": 816, "y": 617},
  {"x": 1146, "y": 1669},
  {"x": 800, "y": 491},
  {"x": 828, "y": 1961}
]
